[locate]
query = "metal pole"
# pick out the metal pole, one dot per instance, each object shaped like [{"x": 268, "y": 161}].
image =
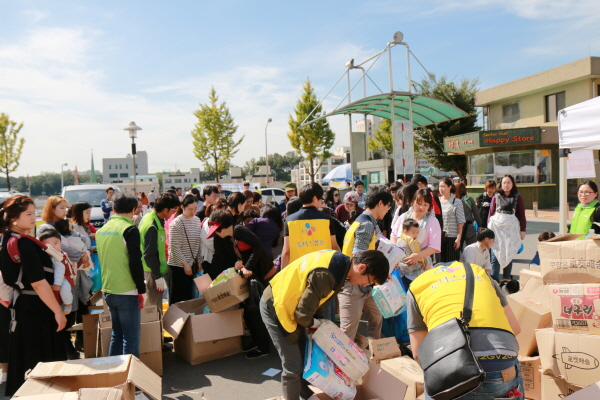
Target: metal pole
[
  {"x": 390, "y": 66},
  {"x": 267, "y": 153},
  {"x": 562, "y": 191},
  {"x": 134, "y": 169},
  {"x": 410, "y": 111},
  {"x": 62, "y": 183},
  {"x": 350, "y": 125}
]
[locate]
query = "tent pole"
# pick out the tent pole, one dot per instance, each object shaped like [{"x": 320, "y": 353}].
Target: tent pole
[{"x": 562, "y": 191}]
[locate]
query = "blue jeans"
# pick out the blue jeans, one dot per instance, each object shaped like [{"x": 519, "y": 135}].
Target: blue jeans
[
  {"x": 494, "y": 388},
  {"x": 496, "y": 268},
  {"x": 126, "y": 322}
]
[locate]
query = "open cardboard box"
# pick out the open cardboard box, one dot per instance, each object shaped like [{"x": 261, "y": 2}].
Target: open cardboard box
[
  {"x": 554, "y": 388},
  {"x": 576, "y": 308},
  {"x": 225, "y": 294},
  {"x": 408, "y": 371},
  {"x": 566, "y": 260},
  {"x": 531, "y": 307},
  {"x": 81, "y": 394},
  {"x": 120, "y": 372},
  {"x": 587, "y": 393},
  {"x": 200, "y": 337},
  {"x": 532, "y": 377}
]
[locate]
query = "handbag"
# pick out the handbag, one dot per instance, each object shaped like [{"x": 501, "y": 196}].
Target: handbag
[
  {"x": 195, "y": 260},
  {"x": 450, "y": 368}
]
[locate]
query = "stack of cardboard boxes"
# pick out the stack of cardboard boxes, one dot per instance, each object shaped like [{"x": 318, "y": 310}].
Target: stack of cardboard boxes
[
  {"x": 211, "y": 327},
  {"x": 570, "y": 350}
]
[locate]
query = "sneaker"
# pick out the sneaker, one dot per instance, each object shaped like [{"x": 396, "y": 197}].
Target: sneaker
[
  {"x": 248, "y": 347},
  {"x": 168, "y": 339},
  {"x": 251, "y": 355}
]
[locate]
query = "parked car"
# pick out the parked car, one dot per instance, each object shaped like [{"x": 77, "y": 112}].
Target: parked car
[
  {"x": 272, "y": 194},
  {"x": 93, "y": 194}
]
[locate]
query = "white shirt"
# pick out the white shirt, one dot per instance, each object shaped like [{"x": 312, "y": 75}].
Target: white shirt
[{"x": 474, "y": 254}]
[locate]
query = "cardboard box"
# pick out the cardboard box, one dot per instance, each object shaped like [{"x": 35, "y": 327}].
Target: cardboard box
[
  {"x": 407, "y": 371},
  {"x": 225, "y": 294},
  {"x": 557, "y": 389},
  {"x": 587, "y": 393},
  {"x": 81, "y": 394},
  {"x": 532, "y": 377},
  {"x": 526, "y": 274},
  {"x": 576, "y": 308},
  {"x": 147, "y": 314},
  {"x": 202, "y": 337},
  {"x": 377, "y": 384},
  {"x": 566, "y": 260},
  {"x": 383, "y": 349},
  {"x": 90, "y": 334},
  {"x": 120, "y": 372},
  {"x": 570, "y": 356},
  {"x": 531, "y": 307}
]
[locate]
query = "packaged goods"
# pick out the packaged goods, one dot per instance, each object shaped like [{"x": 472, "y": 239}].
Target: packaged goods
[
  {"x": 341, "y": 350},
  {"x": 532, "y": 377},
  {"x": 408, "y": 371},
  {"x": 566, "y": 260},
  {"x": 576, "y": 308},
  {"x": 223, "y": 276},
  {"x": 393, "y": 253},
  {"x": 226, "y": 294},
  {"x": 383, "y": 349},
  {"x": 321, "y": 372},
  {"x": 390, "y": 298}
]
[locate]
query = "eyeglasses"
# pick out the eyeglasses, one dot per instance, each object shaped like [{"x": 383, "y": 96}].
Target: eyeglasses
[
  {"x": 336, "y": 195},
  {"x": 586, "y": 193}
]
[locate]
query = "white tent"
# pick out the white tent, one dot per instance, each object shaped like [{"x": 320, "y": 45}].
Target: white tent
[{"x": 578, "y": 128}]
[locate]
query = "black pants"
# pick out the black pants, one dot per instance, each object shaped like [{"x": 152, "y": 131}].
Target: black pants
[
  {"x": 448, "y": 252},
  {"x": 181, "y": 286}
]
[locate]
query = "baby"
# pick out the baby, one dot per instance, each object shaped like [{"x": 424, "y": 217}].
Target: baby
[
  {"x": 408, "y": 242},
  {"x": 64, "y": 272},
  {"x": 72, "y": 239}
]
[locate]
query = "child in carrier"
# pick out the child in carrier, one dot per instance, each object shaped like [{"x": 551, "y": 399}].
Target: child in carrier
[
  {"x": 73, "y": 240},
  {"x": 408, "y": 242},
  {"x": 64, "y": 272}
]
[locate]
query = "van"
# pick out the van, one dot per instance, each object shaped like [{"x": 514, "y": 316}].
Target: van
[{"x": 92, "y": 194}]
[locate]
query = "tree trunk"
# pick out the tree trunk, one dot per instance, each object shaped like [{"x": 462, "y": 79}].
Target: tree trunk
[
  {"x": 462, "y": 177},
  {"x": 7, "y": 180},
  {"x": 311, "y": 170},
  {"x": 216, "y": 167}
]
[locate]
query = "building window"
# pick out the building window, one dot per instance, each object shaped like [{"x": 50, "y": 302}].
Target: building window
[
  {"x": 554, "y": 103},
  {"x": 195, "y": 180},
  {"x": 109, "y": 166},
  {"x": 126, "y": 166},
  {"x": 113, "y": 175},
  {"x": 185, "y": 180},
  {"x": 124, "y": 175},
  {"x": 167, "y": 181},
  {"x": 510, "y": 113},
  {"x": 481, "y": 168},
  {"x": 177, "y": 180}
]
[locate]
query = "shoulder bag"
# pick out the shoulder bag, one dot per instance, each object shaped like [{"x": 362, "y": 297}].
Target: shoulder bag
[
  {"x": 450, "y": 368},
  {"x": 195, "y": 259}
]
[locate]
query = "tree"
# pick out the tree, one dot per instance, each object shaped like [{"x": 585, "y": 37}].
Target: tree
[
  {"x": 382, "y": 138},
  {"x": 314, "y": 141},
  {"x": 251, "y": 166},
  {"x": 213, "y": 136},
  {"x": 10, "y": 146},
  {"x": 431, "y": 139},
  {"x": 281, "y": 165}
]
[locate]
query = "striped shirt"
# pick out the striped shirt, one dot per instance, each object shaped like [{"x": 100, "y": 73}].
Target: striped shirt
[
  {"x": 453, "y": 214},
  {"x": 179, "y": 248}
]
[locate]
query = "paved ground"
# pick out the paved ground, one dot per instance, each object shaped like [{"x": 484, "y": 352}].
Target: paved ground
[{"x": 236, "y": 377}]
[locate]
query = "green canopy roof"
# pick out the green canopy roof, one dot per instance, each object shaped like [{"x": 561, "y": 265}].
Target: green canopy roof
[{"x": 426, "y": 110}]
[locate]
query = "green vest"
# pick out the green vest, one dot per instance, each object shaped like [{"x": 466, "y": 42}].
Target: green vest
[
  {"x": 114, "y": 258},
  {"x": 582, "y": 218},
  {"x": 149, "y": 220}
]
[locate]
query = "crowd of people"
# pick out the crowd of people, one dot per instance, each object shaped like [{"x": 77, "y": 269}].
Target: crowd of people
[{"x": 327, "y": 266}]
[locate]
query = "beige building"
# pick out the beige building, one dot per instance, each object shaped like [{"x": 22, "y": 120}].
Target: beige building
[
  {"x": 521, "y": 130},
  {"x": 301, "y": 177}
]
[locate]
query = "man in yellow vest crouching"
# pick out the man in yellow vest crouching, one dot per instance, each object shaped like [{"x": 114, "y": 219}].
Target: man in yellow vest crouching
[{"x": 294, "y": 298}]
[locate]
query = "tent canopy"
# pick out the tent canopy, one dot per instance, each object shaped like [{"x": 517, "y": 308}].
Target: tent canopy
[
  {"x": 342, "y": 173},
  {"x": 425, "y": 110},
  {"x": 579, "y": 126}
]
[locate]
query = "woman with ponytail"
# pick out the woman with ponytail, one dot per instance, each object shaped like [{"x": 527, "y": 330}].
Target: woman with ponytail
[{"x": 37, "y": 335}]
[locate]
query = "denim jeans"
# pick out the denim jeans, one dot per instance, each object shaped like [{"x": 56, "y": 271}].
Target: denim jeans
[
  {"x": 496, "y": 268},
  {"x": 126, "y": 322},
  {"x": 495, "y": 388}
]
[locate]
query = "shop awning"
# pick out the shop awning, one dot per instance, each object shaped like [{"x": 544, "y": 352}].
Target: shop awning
[{"x": 425, "y": 110}]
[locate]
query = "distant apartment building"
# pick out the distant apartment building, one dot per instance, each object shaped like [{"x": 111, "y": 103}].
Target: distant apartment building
[
  {"x": 117, "y": 169},
  {"x": 181, "y": 180},
  {"x": 300, "y": 175}
]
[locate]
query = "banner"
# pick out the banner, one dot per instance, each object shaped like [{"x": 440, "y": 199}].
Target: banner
[
  {"x": 580, "y": 164},
  {"x": 404, "y": 148}
]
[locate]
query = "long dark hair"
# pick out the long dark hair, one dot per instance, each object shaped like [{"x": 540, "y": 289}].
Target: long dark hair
[
  {"x": 514, "y": 189},
  {"x": 187, "y": 200},
  {"x": 235, "y": 199},
  {"x": 408, "y": 192},
  {"x": 329, "y": 198},
  {"x": 75, "y": 213},
  {"x": 12, "y": 208},
  {"x": 272, "y": 212}
]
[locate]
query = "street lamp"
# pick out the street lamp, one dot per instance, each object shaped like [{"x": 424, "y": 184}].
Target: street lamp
[
  {"x": 266, "y": 152},
  {"x": 62, "y": 181},
  {"x": 133, "y": 128}
]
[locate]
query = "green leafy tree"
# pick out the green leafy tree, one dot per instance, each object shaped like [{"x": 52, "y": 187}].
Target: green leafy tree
[
  {"x": 251, "y": 166},
  {"x": 281, "y": 165},
  {"x": 431, "y": 139},
  {"x": 314, "y": 141},
  {"x": 214, "y": 144},
  {"x": 10, "y": 146},
  {"x": 382, "y": 138}
]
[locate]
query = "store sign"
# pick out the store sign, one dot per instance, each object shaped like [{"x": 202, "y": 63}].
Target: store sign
[
  {"x": 461, "y": 142},
  {"x": 510, "y": 137}
]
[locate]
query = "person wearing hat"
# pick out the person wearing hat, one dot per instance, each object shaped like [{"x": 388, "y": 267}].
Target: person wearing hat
[
  {"x": 350, "y": 203},
  {"x": 309, "y": 229},
  {"x": 290, "y": 191}
]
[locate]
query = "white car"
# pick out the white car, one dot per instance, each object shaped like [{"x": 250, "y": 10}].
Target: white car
[
  {"x": 272, "y": 194},
  {"x": 92, "y": 194}
]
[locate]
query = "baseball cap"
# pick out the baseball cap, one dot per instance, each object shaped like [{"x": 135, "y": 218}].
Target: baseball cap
[
  {"x": 290, "y": 186},
  {"x": 351, "y": 197},
  {"x": 212, "y": 230}
]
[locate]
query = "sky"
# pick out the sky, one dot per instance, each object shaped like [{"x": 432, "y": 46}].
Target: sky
[{"x": 76, "y": 73}]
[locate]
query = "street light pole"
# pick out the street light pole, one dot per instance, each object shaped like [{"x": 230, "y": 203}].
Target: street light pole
[
  {"x": 133, "y": 128},
  {"x": 266, "y": 152},
  {"x": 62, "y": 181}
]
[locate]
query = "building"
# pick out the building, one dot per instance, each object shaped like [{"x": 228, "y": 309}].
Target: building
[
  {"x": 521, "y": 130},
  {"x": 181, "y": 180},
  {"x": 116, "y": 169},
  {"x": 145, "y": 183},
  {"x": 300, "y": 174}
]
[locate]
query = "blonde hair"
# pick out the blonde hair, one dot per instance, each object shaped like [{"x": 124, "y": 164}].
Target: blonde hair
[{"x": 51, "y": 204}]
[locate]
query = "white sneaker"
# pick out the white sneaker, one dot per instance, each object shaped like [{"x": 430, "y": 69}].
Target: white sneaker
[{"x": 3, "y": 377}]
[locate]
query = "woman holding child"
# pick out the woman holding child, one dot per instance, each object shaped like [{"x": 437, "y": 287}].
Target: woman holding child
[
  {"x": 428, "y": 236},
  {"x": 37, "y": 335}
]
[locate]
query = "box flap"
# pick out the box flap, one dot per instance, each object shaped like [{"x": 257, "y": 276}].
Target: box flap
[
  {"x": 408, "y": 371},
  {"x": 144, "y": 379},
  {"x": 40, "y": 390},
  {"x": 564, "y": 238},
  {"x": 590, "y": 392},
  {"x": 97, "y": 298},
  {"x": 94, "y": 366},
  {"x": 175, "y": 318},
  {"x": 383, "y": 384},
  {"x": 574, "y": 261},
  {"x": 203, "y": 282},
  {"x": 382, "y": 349},
  {"x": 216, "y": 326},
  {"x": 100, "y": 394}
]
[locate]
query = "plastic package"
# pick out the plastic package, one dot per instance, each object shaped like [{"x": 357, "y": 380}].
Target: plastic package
[
  {"x": 341, "y": 350},
  {"x": 223, "y": 276},
  {"x": 321, "y": 372},
  {"x": 393, "y": 253},
  {"x": 390, "y": 298}
]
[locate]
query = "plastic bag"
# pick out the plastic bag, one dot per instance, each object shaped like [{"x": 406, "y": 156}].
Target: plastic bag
[
  {"x": 96, "y": 271},
  {"x": 397, "y": 326},
  {"x": 321, "y": 372},
  {"x": 390, "y": 298},
  {"x": 223, "y": 276}
]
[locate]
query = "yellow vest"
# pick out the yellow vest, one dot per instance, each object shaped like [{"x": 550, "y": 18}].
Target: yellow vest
[
  {"x": 440, "y": 295},
  {"x": 307, "y": 236},
  {"x": 349, "y": 238},
  {"x": 289, "y": 284}
]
